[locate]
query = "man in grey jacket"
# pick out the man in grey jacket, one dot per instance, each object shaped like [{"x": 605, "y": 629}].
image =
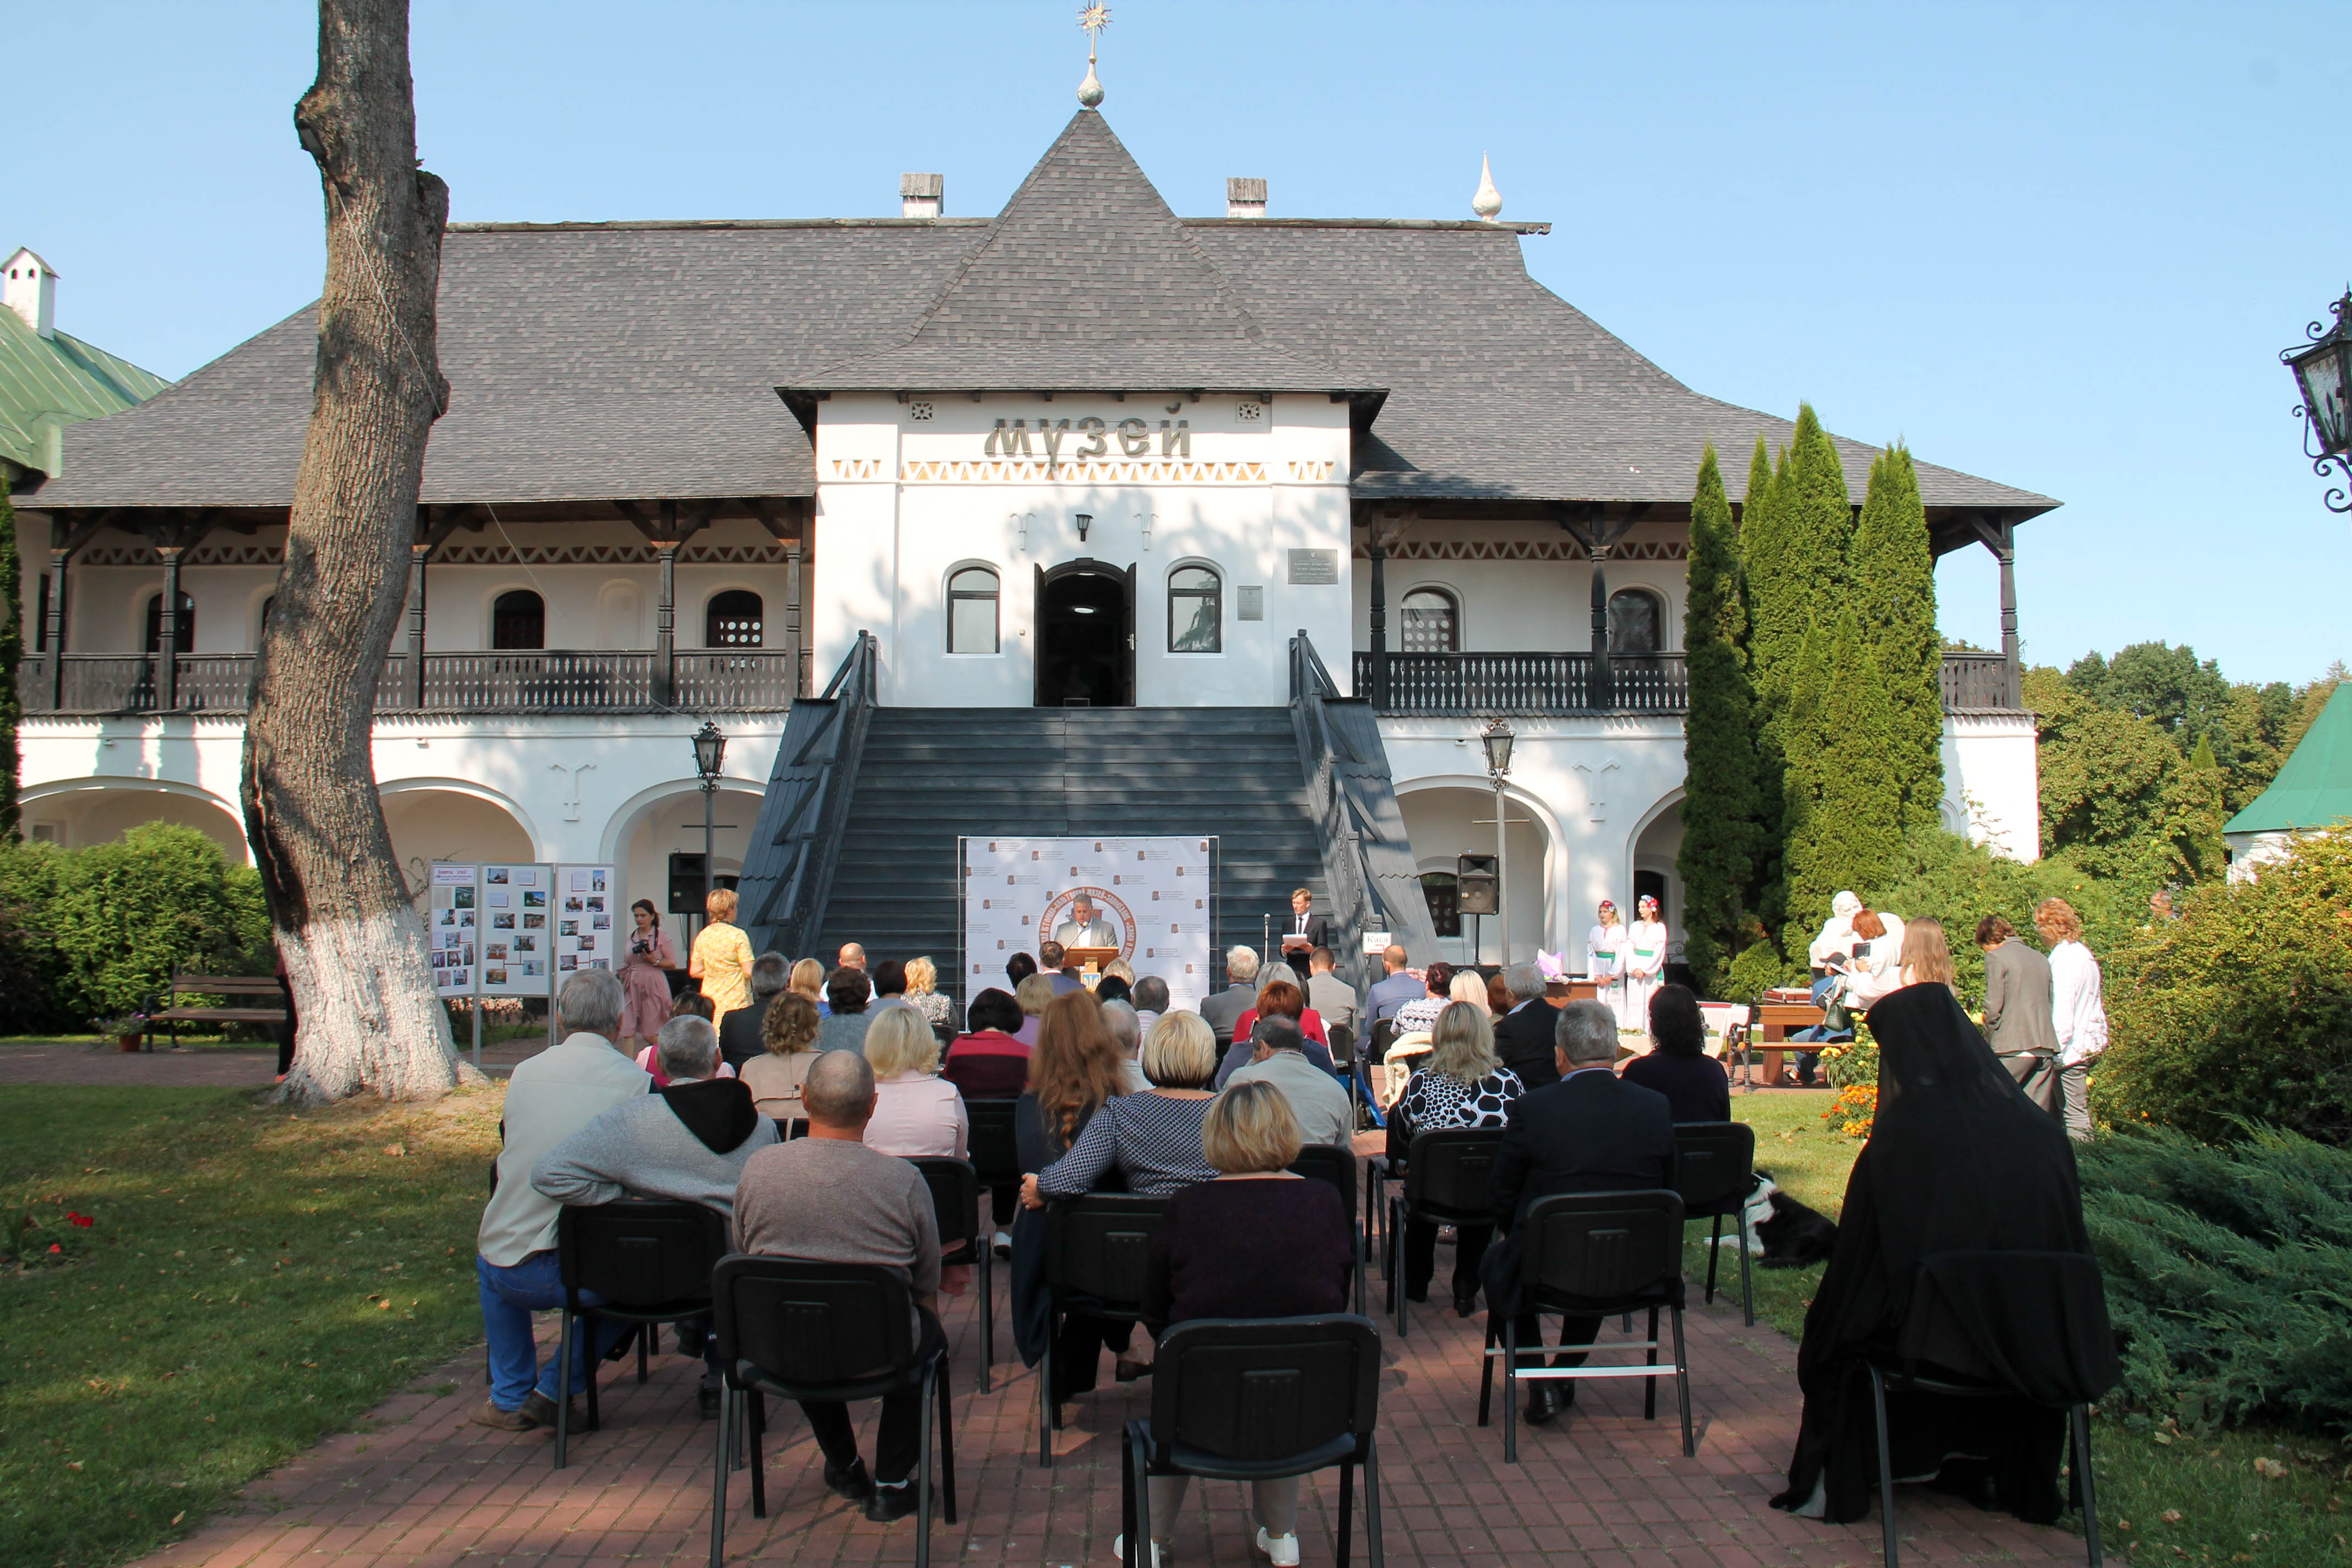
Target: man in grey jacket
[
  {"x": 687, "y": 1140},
  {"x": 1277, "y": 1055},
  {"x": 2018, "y": 1020},
  {"x": 1224, "y": 1009}
]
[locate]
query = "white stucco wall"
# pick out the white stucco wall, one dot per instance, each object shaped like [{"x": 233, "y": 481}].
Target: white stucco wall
[{"x": 1993, "y": 783}]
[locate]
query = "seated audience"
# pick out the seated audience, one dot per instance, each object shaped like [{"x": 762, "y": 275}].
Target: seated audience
[
  {"x": 1695, "y": 1084},
  {"x": 1120, "y": 969},
  {"x": 924, "y": 996},
  {"x": 774, "y": 1079},
  {"x": 1111, "y": 988},
  {"x": 851, "y": 956},
  {"x": 889, "y": 978},
  {"x": 1053, "y": 962},
  {"x": 1946, "y": 1104},
  {"x": 1208, "y": 1260},
  {"x": 1499, "y": 997},
  {"x": 1324, "y": 1112},
  {"x": 1126, "y": 1028},
  {"x": 808, "y": 980},
  {"x": 1438, "y": 985},
  {"x": 1074, "y": 1072},
  {"x": 1329, "y": 994},
  {"x": 848, "y": 1015},
  {"x": 1150, "y": 999},
  {"x": 1460, "y": 1084},
  {"x": 1591, "y": 1131},
  {"x": 551, "y": 1095},
  {"x": 1154, "y": 1139},
  {"x": 1523, "y": 1030},
  {"x": 1279, "y": 998},
  {"x": 1018, "y": 968},
  {"x": 989, "y": 1063},
  {"x": 915, "y": 1111},
  {"x": 694, "y": 1005},
  {"x": 827, "y": 1198},
  {"x": 1035, "y": 994},
  {"x": 1398, "y": 986},
  {"x": 1221, "y": 1011},
  {"x": 687, "y": 1143},
  {"x": 742, "y": 1034}
]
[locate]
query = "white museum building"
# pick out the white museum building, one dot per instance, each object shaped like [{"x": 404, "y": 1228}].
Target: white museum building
[{"x": 1081, "y": 519}]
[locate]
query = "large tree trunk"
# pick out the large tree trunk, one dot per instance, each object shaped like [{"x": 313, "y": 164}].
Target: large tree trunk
[{"x": 354, "y": 945}]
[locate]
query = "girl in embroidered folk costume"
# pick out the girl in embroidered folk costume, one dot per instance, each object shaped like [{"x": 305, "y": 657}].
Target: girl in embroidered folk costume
[
  {"x": 1604, "y": 958},
  {"x": 1645, "y": 964}
]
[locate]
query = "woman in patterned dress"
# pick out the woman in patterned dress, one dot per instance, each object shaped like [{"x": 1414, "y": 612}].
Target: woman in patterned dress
[
  {"x": 722, "y": 958},
  {"x": 1645, "y": 964},
  {"x": 1463, "y": 1085},
  {"x": 645, "y": 978}
]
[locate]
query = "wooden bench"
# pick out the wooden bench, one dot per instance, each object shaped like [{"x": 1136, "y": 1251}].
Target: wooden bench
[
  {"x": 229, "y": 985},
  {"x": 1775, "y": 1022}
]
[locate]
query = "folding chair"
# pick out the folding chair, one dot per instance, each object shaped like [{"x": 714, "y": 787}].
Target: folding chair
[
  {"x": 955, "y": 1195},
  {"x": 651, "y": 1262},
  {"x": 1097, "y": 1247},
  {"x": 1448, "y": 1177},
  {"x": 1329, "y": 1163},
  {"x": 1714, "y": 1170}
]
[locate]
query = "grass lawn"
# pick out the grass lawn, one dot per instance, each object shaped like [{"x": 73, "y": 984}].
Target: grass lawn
[
  {"x": 2165, "y": 1496},
  {"x": 256, "y": 1277}
]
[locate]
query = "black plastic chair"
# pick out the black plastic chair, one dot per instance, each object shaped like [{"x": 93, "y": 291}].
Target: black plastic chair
[
  {"x": 1097, "y": 1247},
  {"x": 963, "y": 1240},
  {"x": 1939, "y": 1352},
  {"x": 1330, "y": 1162},
  {"x": 996, "y": 1152},
  {"x": 1714, "y": 1170},
  {"x": 1257, "y": 1399},
  {"x": 1594, "y": 1254},
  {"x": 651, "y": 1262},
  {"x": 830, "y": 1332},
  {"x": 1448, "y": 1180}
]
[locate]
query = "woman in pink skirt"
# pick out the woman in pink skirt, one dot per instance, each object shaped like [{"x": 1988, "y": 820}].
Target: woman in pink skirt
[{"x": 645, "y": 978}]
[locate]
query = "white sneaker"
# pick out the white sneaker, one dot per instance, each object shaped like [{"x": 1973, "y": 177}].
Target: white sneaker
[
  {"x": 1118, "y": 1550},
  {"x": 1282, "y": 1549}
]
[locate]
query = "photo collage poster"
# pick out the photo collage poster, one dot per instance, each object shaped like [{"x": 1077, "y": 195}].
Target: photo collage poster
[
  {"x": 1152, "y": 901},
  {"x": 518, "y": 929},
  {"x": 451, "y": 930},
  {"x": 585, "y": 920}
]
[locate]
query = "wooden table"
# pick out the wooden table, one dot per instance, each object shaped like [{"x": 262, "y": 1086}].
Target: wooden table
[{"x": 1775, "y": 1022}]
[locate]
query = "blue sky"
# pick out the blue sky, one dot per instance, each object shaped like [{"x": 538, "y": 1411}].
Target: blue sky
[{"x": 2057, "y": 245}]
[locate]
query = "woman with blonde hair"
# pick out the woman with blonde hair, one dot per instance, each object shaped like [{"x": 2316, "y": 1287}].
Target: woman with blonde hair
[
  {"x": 1606, "y": 948},
  {"x": 1036, "y": 992},
  {"x": 915, "y": 1113},
  {"x": 922, "y": 995},
  {"x": 1461, "y": 1083},
  {"x": 2078, "y": 1010},
  {"x": 808, "y": 980},
  {"x": 1927, "y": 956},
  {"x": 774, "y": 1079},
  {"x": 722, "y": 957},
  {"x": 1209, "y": 1261}
]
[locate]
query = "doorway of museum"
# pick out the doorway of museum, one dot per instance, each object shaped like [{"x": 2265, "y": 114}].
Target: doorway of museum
[{"x": 1086, "y": 636}]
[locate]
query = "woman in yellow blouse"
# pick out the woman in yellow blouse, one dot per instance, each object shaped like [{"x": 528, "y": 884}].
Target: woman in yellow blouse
[{"x": 721, "y": 959}]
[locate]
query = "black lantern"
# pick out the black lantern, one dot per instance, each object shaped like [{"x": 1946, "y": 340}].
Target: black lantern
[
  {"x": 2323, "y": 375},
  {"x": 1497, "y": 737},
  {"x": 710, "y": 754},
  {"x": 1085, "y": 520}
]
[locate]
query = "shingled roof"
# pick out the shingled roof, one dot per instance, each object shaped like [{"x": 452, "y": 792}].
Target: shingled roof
[{"x": 591, "y": 361}]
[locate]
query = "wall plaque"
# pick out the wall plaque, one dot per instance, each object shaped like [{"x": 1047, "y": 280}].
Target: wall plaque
[
  {"x": 1249, "y": 604},
  {"x": 1314, "y": 568}
]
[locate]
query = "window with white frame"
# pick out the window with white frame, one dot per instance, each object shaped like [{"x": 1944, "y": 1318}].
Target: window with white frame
[
  {"x": 1196, "y": 610},
  {"x": 973, "y": 597}
]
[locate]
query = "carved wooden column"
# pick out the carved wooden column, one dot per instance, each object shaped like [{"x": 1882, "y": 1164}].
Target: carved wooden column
[
  {"x": 2000, "y": 538},
  {"x": 668, "y": 531},
  {"x": 1379, "y": 628},
  {"x": 54, "y": 626},
  {"x": 794, "y": 619},
  {"x": 167, "y": 639}
]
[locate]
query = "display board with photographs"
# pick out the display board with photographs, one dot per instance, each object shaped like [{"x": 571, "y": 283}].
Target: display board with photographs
[
  {"x": 451, "y": 930},
  {"x": 585, "y": 901},
  {"x": 518, "y": 925}
]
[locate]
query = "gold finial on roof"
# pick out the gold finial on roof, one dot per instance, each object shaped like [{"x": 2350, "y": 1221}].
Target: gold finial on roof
[{"x": 1093, "y": 17}]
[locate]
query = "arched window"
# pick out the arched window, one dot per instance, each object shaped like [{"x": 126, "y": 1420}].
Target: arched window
[
  {"x": 187, "y": 636},
  {"x": 1196, "y": 610},
  {"x": 1429, "y": 622},
  {"x": 519, "y": 619},
  {"x": 734, "y": 619},
  {"x": 1636, "y": 622},
  {"x": 972, "y": 602}
]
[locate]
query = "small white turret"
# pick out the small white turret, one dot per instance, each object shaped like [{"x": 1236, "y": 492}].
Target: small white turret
[
  {"x": 32, "y": 290},
  {"x": 1488, "y": 203}
]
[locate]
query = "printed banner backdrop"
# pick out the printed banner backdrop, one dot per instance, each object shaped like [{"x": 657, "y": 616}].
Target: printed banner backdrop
[
  {"x": 1152, "y": 899},
  {"x": 518, "y": 937},
  {"x": 584, "y": 918}
]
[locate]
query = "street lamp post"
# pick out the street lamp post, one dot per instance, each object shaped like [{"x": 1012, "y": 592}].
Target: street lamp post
[
  {"x": 710, "y": 753},
  {"x": 1497, "y": 737},
  {"x": 2322, "y": 366}
]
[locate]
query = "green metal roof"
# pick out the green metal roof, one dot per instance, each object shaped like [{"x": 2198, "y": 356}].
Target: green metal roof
[
  {"x": 58, "y": 380},
  {"x": 2314, "y": 788}
]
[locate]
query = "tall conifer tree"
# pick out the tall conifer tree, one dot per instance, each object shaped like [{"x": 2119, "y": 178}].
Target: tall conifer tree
[
  {"x": 1772, "y": 579},
  {"x": 12, "y": 654},
  {"x": 1894, "y": 574},
  {"x": 1723, "y": 840},
  {"x": 1840, "y": 833}
]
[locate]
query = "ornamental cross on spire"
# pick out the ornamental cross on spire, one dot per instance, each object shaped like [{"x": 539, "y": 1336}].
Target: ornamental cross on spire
[{"x": 1094, "y": 19}]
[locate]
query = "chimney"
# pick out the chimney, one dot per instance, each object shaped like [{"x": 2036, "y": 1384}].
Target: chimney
[
  {"x": 922, "y": 195},
  {"x": 1244, "y": 198},
  {"x": 31, "y": 291}
]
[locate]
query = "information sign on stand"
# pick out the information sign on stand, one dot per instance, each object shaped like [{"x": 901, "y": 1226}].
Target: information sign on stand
[
  {"x": 450, "y": 929},
  {"x": 518, "y": 929},
  {"x": 584, "y": 918}
]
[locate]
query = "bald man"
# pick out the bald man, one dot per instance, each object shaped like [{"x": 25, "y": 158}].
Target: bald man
[{"x": 852, "y": 956}]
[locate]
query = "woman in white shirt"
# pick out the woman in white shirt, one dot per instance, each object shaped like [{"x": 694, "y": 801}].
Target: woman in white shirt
[
  {"x": 1645, "y": 964},
  {"x": 2078, "y": 1010},
  {"x": 1604, "y": 961}
]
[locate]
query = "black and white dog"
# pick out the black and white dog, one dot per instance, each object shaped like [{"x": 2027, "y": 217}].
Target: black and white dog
[{"x": 1782, "y": 1233}]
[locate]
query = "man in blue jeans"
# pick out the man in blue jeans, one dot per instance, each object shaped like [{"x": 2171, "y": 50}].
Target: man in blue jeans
[{"x": 552, "y": 1095}]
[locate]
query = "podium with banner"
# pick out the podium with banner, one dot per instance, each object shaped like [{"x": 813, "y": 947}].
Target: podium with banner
[{"x": 1156, "y": 898}]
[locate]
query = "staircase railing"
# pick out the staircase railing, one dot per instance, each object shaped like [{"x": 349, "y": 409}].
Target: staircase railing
[
  {"x": 788, "y": 868},
  {"x": 1367, "y": 857}
]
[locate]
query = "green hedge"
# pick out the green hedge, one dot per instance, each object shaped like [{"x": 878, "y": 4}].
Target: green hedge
[
  {"x": 2228, "y": 1273},
  {"x": 96, "y": 932}
]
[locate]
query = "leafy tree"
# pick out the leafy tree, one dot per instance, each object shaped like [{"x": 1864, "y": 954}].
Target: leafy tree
[
  {"x": 2169, "y": 686},
  {"x": 1723, "y": 842},
  {"x": 12, "y": 654},
  {"x": 2112, "y": 790},
  {"x": 1893, "y": 575}
]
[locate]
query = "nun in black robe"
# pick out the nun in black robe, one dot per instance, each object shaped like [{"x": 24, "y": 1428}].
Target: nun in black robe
[{"x": 1959, "y": 1161}]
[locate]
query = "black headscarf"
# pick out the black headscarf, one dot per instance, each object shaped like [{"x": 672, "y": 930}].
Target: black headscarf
[{"x": 1960, "y": 1161}]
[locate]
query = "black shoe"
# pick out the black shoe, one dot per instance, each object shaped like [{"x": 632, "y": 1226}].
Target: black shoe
[
  {"x": 1417, "y": 1293},
  {"x": 890, "y": 1502},
  {"x": 705, "y": 1398},
  {"x": 1465, "y": 1302},
  {"x": 1543, "y": 1404},
  {"x": 690, "y": 1335},
  {"x": 852, "y": 1483}
]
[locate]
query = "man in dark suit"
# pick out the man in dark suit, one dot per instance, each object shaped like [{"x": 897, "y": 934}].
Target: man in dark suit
[
  {"x": 1306, "y": 932},
  {"x": 742, "y": 1034},
  {"x": 1589, "y": 1132},
  {"x": 1054, "y": 964},
  {"x": 1524, "y": 1036}
]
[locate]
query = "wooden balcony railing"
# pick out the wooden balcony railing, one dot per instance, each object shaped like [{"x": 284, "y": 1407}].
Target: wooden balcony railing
[
  {"x": 538, "y": 680},
  {"x": 1467, "y": 685}
]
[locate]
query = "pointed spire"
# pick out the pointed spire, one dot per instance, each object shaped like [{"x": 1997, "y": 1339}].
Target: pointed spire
[
  {"x": 1488, "y": 203},
  {"x": 1093, "y": 17}
]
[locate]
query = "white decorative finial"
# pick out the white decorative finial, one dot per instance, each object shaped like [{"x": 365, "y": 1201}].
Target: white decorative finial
[
  {"x": 1489, "y": 202},
  {"x": 1094, "y": 19}
]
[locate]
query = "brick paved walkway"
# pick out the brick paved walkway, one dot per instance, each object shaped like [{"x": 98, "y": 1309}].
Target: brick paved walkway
[{"x": 424, "y": 1489}]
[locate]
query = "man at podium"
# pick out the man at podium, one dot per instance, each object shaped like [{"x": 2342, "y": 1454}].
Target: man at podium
[{"x": 1086, "y": 927}]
